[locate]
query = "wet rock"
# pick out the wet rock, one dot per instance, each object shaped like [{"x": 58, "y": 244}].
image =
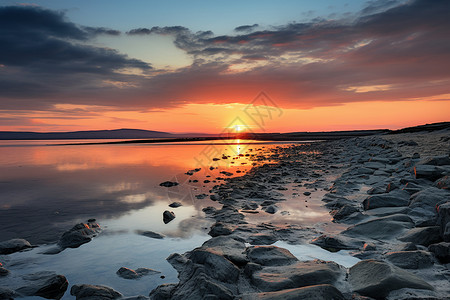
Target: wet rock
[
  {"x": 201, "y": 287},
  {"x": 443, "y": 183},
  {"x": 220, "y": 228},
  {"x": 271, "y": 209},
  {"x": 44, "y": 284},
  {"x": 383, "y": 228},
  {"x": 441, "y": 251},
  {"x": 214, "y": 264},
  {"x": 168, "y": 216},
  {"x": 3, "y": 271},
  {"x": 306, "y": 193},
  {"x": 151, "y": 234},
  {"x": 91, "y": 292},
  {"x": 428, "y": 172},
  {"x": 369, "y": 247},
  {"x": 314, "y": 292},
  {"x": 127, "y": 273},
  {"x": 214, "y": 197},
  {"x": 437, "y": 161},
  {"x": 444, "y": 220},
  {"x": 175, "y": 204},
  {"x": 14, "y": 245},
  {"x": 429, "y": 198},
  {"x": 377, "y": 279},
  {"x": 140, "y": 297},
  {"x": 410, "y": 259},
  {"x": 270, "y": 256},
  {"x": 168, "y": 184},
  {"x": 335, "y": 243},
  {"x": 163, "y": 292},
  {"x": 386, "y": 200},
  {"x": 262, "y": 239},
  {"x": 299, "y": 274},
  {"x": 344, "y": 212},
  {"x": 422, "y": 236},
  {"x": 7, "y": 294},
  {"x": 231, "y": 248},
  {"x": 79, "y": 234},
  {"x": 412, "y": 188}
]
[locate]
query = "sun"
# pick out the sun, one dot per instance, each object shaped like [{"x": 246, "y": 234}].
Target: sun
[{"x": 239, "y": 128}]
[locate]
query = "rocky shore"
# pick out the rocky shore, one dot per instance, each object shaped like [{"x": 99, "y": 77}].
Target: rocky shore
[{"x": 389, "y": 195}]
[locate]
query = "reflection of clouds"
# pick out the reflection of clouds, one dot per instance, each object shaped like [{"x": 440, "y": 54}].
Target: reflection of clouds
[
  {"x": 72, "y": 167},
  {"x": 188, "y": 227},
  {"x": 139, "y": 198}
]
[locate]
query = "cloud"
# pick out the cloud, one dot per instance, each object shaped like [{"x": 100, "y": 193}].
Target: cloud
[{"x": 246, "y": 28}]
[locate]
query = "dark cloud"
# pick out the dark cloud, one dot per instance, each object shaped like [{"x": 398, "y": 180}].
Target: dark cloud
[
  {"x": 246, "y": 28},
  {"x": 102, "y": 31}
]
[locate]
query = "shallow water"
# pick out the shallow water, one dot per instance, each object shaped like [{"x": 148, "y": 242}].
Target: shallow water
[{"x": 46, "y": 189}]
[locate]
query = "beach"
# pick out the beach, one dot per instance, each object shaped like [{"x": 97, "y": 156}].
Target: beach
[{"x": 357, "y": 218}]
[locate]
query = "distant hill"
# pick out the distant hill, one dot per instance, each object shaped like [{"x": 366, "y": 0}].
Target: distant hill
[{"x": 94, "y": 134}]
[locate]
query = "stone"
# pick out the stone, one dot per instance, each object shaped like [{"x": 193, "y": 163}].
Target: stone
[
  {"x": 262, "y": 239},
  {"x": 314, "y": 292},
  {"x": 231, "y": 248},
  {"x": 270, "y": 256},
  {"x": 441, "y": 251},
  {"x": 386, "y": 200},
  {"x": 428, "y": 172},
  {"x": 127, "y": 273},
  {"x": 443, "y": 220},
  {"x": 201, "y": 287},
  {"x": 3, "y": 272},
  {"x": 336, "y": 243},
  {"x": 437, "y": 161},
  {"x": 429, "y": 198},
  {"x": 299, "y": 274},
  {"x": 93, "y": 292},
  {"x": 8, "y": 294},
  {"x": 443, "y": 183},
  {"x": 220, "y": 228},
  {"x": 151, "y": 234},
  {"x": 422, "y": 236},
  {"x": 163, "y": 292},
  {"x": 271, "y": 209},
  {"x": 168, "y": 216},
  {"x": 383, "y": 228},
  {"x": 44, "y": 284},
  {"x": 410, "y": 259},
  {"x": 344, "y": 212},
  {"x": 377, "y": 279},
  {"x": 168, "y": 184},
  {"x": 78, "y": 235},
  {"x": 306, "y": 193},
  {"x": 175, "y": 204},
  {"x": 14, "y": 245}
]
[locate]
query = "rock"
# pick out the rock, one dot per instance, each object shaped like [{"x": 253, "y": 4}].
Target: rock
[
  {"x": 443, "y": 183},
  {"x": 262, "y": 239},
  {"x": 127, "y": 273},
  {"x": 93, "y": 292},
  {"x": 44, "y": 284},
  {"x": 369, "y": 247},
  {"x": 151, "y": 234},
  {"x": 437, "y": 161},
  {"x": 163, "y": 292},
  {"x": 364, "y": 171},
  {"x": 140, "y": 297},
  {"x": 3, "y": 272},
  {"x": 441, "y": 251},
  {"x": 175, "y": 204},
  {"x": 415, "y": 155},
  {"x": 232, "y": 249},
  {"x": 336, "y": 243},
  {"x": 428, "y": 172},
  {"x": 306, "y": 193},
  {"x": 386, "y": 200},
  {"x": 443, "y": 220},
  {"x": 343, "y": 212},
  {"x": 79, "y": 234},
  {"x": 270, "y": 209},
  {"x": 314, "y": 292},
  {"x": 168, "y": 184},
  {"x": 412, "y": 188},
  {"x": 429, "y": 198},
  {"x": 201, "y": 287},
  {"x": 377, "y": 279},
  {"x": 410, "y": 259},
  {"x": 270, "y": 256},
  {"x": 14, "y": 245},
  {"x": 220, "y": 228},
  {"x": 383, "y": 228},
  {"x": 299, "y": 274},
  {"x": 168, "y": 216},
  {"x": 422, "y": 236},
  {"x": 8, "y": 294}
]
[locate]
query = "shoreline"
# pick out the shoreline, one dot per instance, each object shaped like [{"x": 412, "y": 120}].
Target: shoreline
[{"x": 387, "y": 212}]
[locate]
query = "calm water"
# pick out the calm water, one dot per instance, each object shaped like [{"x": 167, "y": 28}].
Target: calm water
[{"x": 46, "y": 189}]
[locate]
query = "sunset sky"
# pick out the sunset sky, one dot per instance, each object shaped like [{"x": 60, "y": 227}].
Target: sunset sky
[{"x": 200, "y": 66}]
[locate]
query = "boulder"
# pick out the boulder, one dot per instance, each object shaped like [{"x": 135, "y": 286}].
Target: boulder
[
  {"x": 410, "y": 259},
  {"x": 163, "y": 292},
  {"x": 314, "y": 292},
  {"x": 220, "y": 228},
  {"x": 377, "y": 279},
  {"x": 3, "y": 271},
  {"x": 299, "y": 274},
  {"x": 335, "y": 243},
  {"x": 93, "y": 292},
  {"x": 270, "y": 256},
  {"x": 393, "y": 199},
  {"x": 8, "y": 294},
  {"x": 168, "y": 216},
  {"x": 428, "y": 172},
  {"x": 437, "y": 161},
  {"x": 443, "y": 220},
  {"x": 175, "y": 204},
  {"x": 271, "y": 209},
  {"x": 231, "y": 248},
  {"x": 201, "y": 287},
  {"x": 344, "y": 212},
  {"x": 44, "y": 284},
  {"x": 151, "y": 234},
  {"x": 443, "y": 183},
  {"x": 127, "y": 273},
  {"x": 429, "y": 198},
  {"x": 262, "y": 239},
  {"x": 79, "y": 234},
  {"x": 14, "y": 245},
  {"x": 383, "y": 228},
  {"x": 422, "y": 236},
  {"x": 441, "y": 251},
  {"x": 168, "y": 184}
]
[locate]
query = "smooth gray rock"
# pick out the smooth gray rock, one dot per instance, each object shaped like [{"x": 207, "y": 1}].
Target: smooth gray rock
[
  {"x": 335, "y": 243},
  {"x": 168, "y": 216},
  {"x": 377, "y": 279},
  {"x": 443, "y": 183},
  {"x": 422, "y": 236},
  {"x": 127, "y": 273},
  {"x": 3, "y": 272},
  {"x": 443, "y": 220},
  {"x": 270, "y": 256},
  {"x": 163, "y": 292},
  {"x": 344, "y": 212},
  {"x": 271, "y": 209},
  {"x": 220, "y": 228},
  {"x": 201, "y": 287},
  {"x": 314, "y": 292},
  {"x": 299, "y": 274},
  {"x": 151, "y": 234},
  {"x": 14, "y": 245},
  {"x": 94, "y": 292},
  {"x": 78, "y": 235},
  {"x": 383, "y": 228},
  {"x": 410, "y": 259},
  {"x": 44, "y": 284},
  {"x": 7, "y": 294},
  {"x": 393, "y": 199},
  {"x": 437, "y": 161},
  {"x": 175, "y": 204},
  {"x": 168, "y": 184},
  {"x": 429, "y": 198},
  {"x": 262, "y": 239},
  {"x": 231, "y": 248},
  {"x": 441, "y": 251},
  {"x": 428, "y": 172}
]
